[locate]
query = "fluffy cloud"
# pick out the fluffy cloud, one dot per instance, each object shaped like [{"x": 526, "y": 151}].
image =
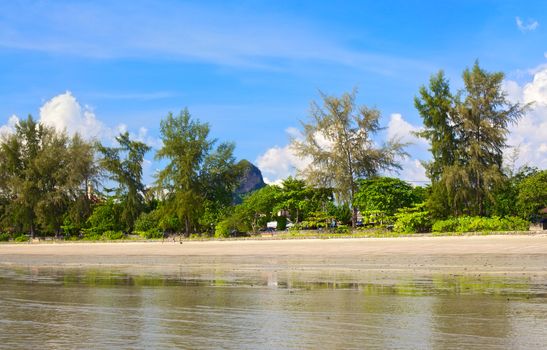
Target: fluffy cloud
[
  {"x": 400, "y": 129},
  {"x": 277, "y": 163},
  {"x": 63, "y": 112},
  {"x": 9, "y": 127},
  {"x": 529, "y": 26},
  {"x": 529, "y": 135}
]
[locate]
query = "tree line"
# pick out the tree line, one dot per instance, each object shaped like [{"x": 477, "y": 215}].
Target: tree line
[{"x": 49, "y": 181}]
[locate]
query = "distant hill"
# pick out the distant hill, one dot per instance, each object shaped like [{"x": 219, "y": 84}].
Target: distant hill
[{"x": 251, "y": 180}]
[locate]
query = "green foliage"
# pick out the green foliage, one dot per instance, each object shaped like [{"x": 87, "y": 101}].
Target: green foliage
[
  {"x": 318, "y": 219},
  {"x": 532, "y": 195},
  {"x": 349, "y": 153},
  {"x": 467, "y": 133},
  {"x": 256, "y": 210},
  {"x": 42, "y": 174},
  {"x": 376, "y": 218},
  {"x": 342, "y": 229},
  {"x": 342, "y": 213},
  {"x": 21, "y": 238},
  {"x": 148, "y": 221},
  {"x": 92, "y": 236},
  {"x": 436, "y": 104},
  {"x": 223, "y": 229},
  {"x": 506, "y": 194},
  {"x": 169, "y": 223},
  {"x": 69, "y": 228},
  {"x": 479, "y": 224},
  {"x": 105, "y": 217},
  {"x": 299, "y": 200},
  {"x": 281, "y": 223},
  {"x": 128, "y": 174},
  {"x": 113, "y": 235},
  {"x": 4, "y": 237},
  {"x": 195, "y": 175},
  {"x": 384, "y": 194},
  {"x": 152, "y": 233},
  {"x": 412, "y": 220}
]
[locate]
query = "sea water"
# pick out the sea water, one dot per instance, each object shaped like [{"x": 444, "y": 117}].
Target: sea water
[{"x": 108, "y": 307}]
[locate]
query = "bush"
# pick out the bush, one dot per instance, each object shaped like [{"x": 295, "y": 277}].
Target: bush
[
  {"x": 342, "y": 229},
  {"x": 147, "y": 221},
  {"x": 151, "y": 234},
  {"x": 92, "y": 236},
  {"x": 68, "y": 228},
  {"x": 4, "y": 237},
  {"x": 105, "y": 217},
  {"x": 377, "y": 218},
  {"x": 411, "y": 220},
  {"x": 481, "y": 224},
  {"x": 222, "y": 229},
  {"x": 296, "y": 227},
  {"x": 281, "y": 223},
  {"x": 113, "y": 235},
  {"x": 22, "y": 238},
  {"x": 448, "y": 225}
]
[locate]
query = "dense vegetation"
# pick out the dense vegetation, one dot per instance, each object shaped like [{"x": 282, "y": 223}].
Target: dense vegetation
[{"x": 52, "y": 184}]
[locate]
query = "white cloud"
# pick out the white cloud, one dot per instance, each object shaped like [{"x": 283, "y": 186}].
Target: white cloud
[
  {"x": 144, "y": 137},
  {"x": 400, "y": 129},
  {"x": 64, "y": 112},
  {"x": 530, "y": 133},
  {"x": 9, "y": 127},
  {"x": 413, "y": 171},
  {"x": 529, "y": 26},
  {"x": 277, "y": 163}
]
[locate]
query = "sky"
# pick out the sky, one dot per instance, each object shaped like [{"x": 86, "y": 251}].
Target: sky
[{"x": 251, "y": 68}]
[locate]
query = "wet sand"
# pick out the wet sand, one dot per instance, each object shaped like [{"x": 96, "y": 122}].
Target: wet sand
[{"x": 515, "y": 255}]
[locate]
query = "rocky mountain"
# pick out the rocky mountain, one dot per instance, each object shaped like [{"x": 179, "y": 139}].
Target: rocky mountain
[{"x": 251, "y": 179}]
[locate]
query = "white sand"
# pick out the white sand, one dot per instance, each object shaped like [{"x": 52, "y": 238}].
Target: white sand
[{"x": 522, "y": 254}]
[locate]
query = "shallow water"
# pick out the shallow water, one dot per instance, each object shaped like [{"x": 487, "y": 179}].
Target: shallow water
[{"x": 111, "y": 307}]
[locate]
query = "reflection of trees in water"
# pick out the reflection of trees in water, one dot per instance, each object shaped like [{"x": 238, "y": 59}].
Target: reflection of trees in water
[{"x": 272, "y": 309}]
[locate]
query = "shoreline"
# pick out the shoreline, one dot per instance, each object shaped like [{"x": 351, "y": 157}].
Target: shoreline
[{"x": 523, "y": 255}]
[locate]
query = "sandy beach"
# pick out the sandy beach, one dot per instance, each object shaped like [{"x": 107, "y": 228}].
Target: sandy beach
[{"x": 504, "y": 254}]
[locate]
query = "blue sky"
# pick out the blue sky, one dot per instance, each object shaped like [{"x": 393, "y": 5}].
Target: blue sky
[{"x": 251, "y": 68}]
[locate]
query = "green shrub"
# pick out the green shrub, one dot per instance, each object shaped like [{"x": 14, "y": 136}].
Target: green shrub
[
  {"x": 4, "y": 237},
  {"x": 281, "y": 223},
  {"x": 223, "y": 228},
  {"x": 481, "y": 224},
  {"x": 22, "y": 238},
  {"x": 411, "y": 220},
  {"x": 68, "y": 228},
  {"x": 151, "y": 234},
  {"x": 448, "y": 225},
  {"x": 148, "y": 221},
  {"x": 377, "y": 218},
  {"x": 295, "y": 227},
  {"x": 342, "y": 229},
  {"x": 113, "y": 235},
  {"x": 92, "y": 236},
  {"x": 105, "y": 217}
]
